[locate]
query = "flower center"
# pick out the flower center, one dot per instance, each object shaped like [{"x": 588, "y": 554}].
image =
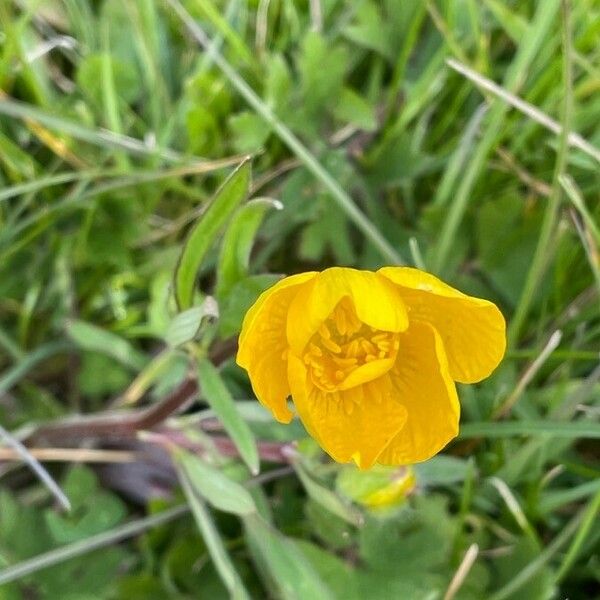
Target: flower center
[{"x": 345, "y": 352}]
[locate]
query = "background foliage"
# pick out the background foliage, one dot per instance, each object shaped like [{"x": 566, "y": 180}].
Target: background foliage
[{"x": 116, "y": 130}]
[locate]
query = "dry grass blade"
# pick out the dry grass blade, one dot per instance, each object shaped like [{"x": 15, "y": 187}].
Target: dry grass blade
[
  {"x": 79, "y": 455},
  {"x": 528, "y": 375},
  {"x": 36, "y": 467},
  {"x": 534, "y": 113},
  {"x": 462, "y": 571}
]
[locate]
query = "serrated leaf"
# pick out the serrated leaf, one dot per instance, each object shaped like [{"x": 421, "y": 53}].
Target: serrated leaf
[
  {"x": 322, "y": 69},
  {"x": 238, "y": 241},
  {"x": 215, "y": 487},
  {"x": 217, "y": 395},
  {"x": 224, "y": 202}
]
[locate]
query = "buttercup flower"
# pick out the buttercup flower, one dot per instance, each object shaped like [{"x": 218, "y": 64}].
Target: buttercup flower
[{"x": 370, "y": 359}]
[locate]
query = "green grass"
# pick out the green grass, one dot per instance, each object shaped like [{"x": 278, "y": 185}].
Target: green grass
[{"x": 365, "y": 122}]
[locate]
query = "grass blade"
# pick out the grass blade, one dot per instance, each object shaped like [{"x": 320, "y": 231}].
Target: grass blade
[
  {"x": 93, "y": 338},
  {"x": 557, "y": 429},
  {"x": 536, "y": 565},
  {"x": 538, "y": 262},
  {"x": 14, "y": 374},
  {"x": 237, "y": 243},
  {"x": 294, "y": 576},
  {"x": 107, "y": 538},
  {"x": 538, "y": 32},
  {"x": 98, "y": 137},
  {"x": 225, "y": 201},
  {"x": 291, "y": 141},
  {"x": 36, "y": 467},
  {"x": 214, "y": 391},
  {"x": 214, "y": 543},
  {"x": 531, "y": 111},
  {"x": 589, "y": 518}
]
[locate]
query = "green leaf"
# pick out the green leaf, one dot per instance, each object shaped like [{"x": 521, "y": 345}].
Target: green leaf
[
  {"x": 249, "y": 131},
  {"x": 184, "y": 327},
  {"x": 227, "y": 198},
  {"x": 217, "y": 395},
  {"x": 242, "y": 296},
  {"x": 511, "y": 565},
  {"x": 95, "y": 339},
  {"x": 328, "y": 499},
  {"x": 237, "y": 243},
  {"x": 441, "y": 470},
  {"x": 89, "y": 77},
  {"x": 370, "y": 30},
  {"x": 354, "y": 109},
  {"x": 215, "y": 487},
  {"x": 214, "y": 543},
  {"x": 322, "y": 69},
  {"x": 282, "y": 560}
]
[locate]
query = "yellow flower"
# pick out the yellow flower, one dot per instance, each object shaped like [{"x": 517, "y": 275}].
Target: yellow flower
[{"x": 370, "y": 359}]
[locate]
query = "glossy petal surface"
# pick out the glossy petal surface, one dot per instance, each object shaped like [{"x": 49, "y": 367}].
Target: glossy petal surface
[
  {"x": 350, "y": 425},
  {"x": 422, "y": 383},
  {"x": 472, "y": 329},
  {"x": 263, "y": 345},
  {"x": 377, "y": 303}
]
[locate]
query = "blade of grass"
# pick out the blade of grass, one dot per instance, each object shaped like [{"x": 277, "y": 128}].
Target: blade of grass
[
  {"x": 538, "y": 32},
  {"x": 589, "y": 517},
  {"x": 589, "y": 247},
  {"x": 90, "y": 337},
  {"x": 295, "y": 577},
  {"x": 34, "y": 464},
  {"x": 539, "y": 260},
  {"x": 528, "y": 375},
  {"x": 224, "y": 28},
  {"x": 290, "y": 140},
  {"x": 531, "y": 111},
  {"x": 101, "y": 540},
  {"x": 574, "y": 194},
  {"x": 109, "y": 93},
  {"x": 538, "y": 563},
  {"x": 234, "y": 256},
  {"x": 220, "y": 400},
  {"x": 44, "y": 182},
  {"x": 462, "y": 571},
  {"x": 98, "y": 137},
  {"x": 11, "y": 376},
  {"x": 214, "y": 543},
  {"x": 557, "y": 429},
  {"x": 74, "y": 201},
  {"x": 200, "y": 238},
  {"x": 459, "y": 158},
  {"x": 557, "y": 499}
]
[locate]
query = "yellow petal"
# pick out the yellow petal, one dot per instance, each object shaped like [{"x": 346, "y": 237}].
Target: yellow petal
[
  {"x": 263, "y": 345},
  {"x": 354, "y": 424},
  {"x": 421, "y": 380},
  {"x": 472, "y": 329},
  {"x": 376, "y": 302}
]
